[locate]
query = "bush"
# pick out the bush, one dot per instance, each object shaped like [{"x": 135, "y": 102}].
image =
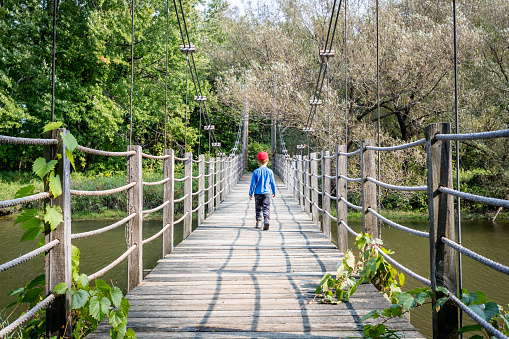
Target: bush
[{"x": 253, "y": 149}]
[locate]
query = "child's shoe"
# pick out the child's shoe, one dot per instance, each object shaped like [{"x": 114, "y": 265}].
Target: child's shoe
[
  {"x": 257, "y": 224},
  {"x": 266, "y": 225}
]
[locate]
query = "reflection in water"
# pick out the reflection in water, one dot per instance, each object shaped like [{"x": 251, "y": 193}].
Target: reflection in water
[{"x": 487, "y": 238}]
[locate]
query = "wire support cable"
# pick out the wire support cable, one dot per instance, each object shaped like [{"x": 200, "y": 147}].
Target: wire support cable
[
  {"x": 181, "y": 179},
  {"x": 331, "y": 216},
  {"x": 477, "y": 257},
  {"x": 355, "y": 234},
  {"x": 146, "y": 241},
  {"x": 474, "y": 136},
  {"x": 27, "y": 316},
  {"x": 476, "y": 198},
  {"x": 398, "y": 226},
  {"x": 104, "y": 229},
  {"x": 156, "y": 157},
  {"x": 24, "y": 200},
  {"x": 349, "y": 204},
  {"x": 349, "y": 154},
  {"x": 398, "y": 188},
  {"x": 104, "y": 153},
  {"x": 105, "y": 192},
  {"x": 181, "y": 219},
  {"x": 4, "y": 139},
  {"x": 113, "y": 264},
  {"x": 181, "y": 199},
  {"x": 155, "y": 183},
  {"x": 476, "y": 317},
  {"x": 30, "y": 255},
  {"x": 398, "y": 147},
  {"x": 403, "y": 268},
  {"x": 156, "y": 208},
  {"x": 350, "y": 179}
]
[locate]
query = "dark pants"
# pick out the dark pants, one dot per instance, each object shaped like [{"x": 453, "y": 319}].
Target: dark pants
[{"x": 262, "y": 205}]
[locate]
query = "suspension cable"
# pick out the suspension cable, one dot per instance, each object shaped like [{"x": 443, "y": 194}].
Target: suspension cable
[
  {"x": 53, "y": 59},
  {"x": 166, "y": 73},
  {"x": 132, "y": 76}
]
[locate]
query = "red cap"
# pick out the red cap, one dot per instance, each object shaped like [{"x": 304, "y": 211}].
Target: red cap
[{"x": 263, "y": 156}]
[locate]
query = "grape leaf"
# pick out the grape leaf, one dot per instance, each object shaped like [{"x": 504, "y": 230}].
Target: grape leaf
[
  {"x": 55, "y": 187},
  {"x": 54, "y": 217},
  {"x": 41, "y": 168},
  {"x": 25, "y": 191},
  {"x": 51, "y": 126}
]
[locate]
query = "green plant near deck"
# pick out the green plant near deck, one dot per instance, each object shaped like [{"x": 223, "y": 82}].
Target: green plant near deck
[{"x": 90, "y": 304}]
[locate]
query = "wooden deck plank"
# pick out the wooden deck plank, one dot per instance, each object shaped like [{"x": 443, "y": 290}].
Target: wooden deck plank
[{"x": 230, "y": 280}]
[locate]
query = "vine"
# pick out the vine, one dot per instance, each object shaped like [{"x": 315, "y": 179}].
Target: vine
[{"x": 89, "y": 304}]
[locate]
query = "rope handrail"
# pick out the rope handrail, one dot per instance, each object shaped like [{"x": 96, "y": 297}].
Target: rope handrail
[
  {"x": 399, "y": 188},
  {"x": 398, "y": 147},
  {"x": 403, "y": 268},
  {"x": 208, "y": 188},
  {"x": 4, "y": 139},
  {"x": 474, "y": 136},
  {"x": 154, "y": 183},
  {"x": 104, "y": 153},
  {"x": 197, "y": 208},
  {"x": 146, "y": 241},
  {"x": 329, "y": 156},
  {"x": 27, "y": 316},
  {"x": 198, "y": 192},
  {"x": 104, "y": 229},
  {"x": 476, "y": 198},
  {"x": 105, "y": 192},
  {"x": 317, "y": 175},
  {"x": 113, "y": 264},
  {"x": 209, "y": 201},
  {"x": 401, "y": 227},
  {"x": 477, "y": 257},
  {"x": 24, "y": 200},
  {"x": 181, "y": 199},
  {"x": 198, "y": 177},
  {"x": 308, "y": 187},
  {"x": 156, "y": 208},
  {"x": 150, "y": 156},
  {"x": 215, "y": 196},
  {"x": 330, "y": 196},
  {"x": 475, "y": 317},
  {"x": 30, "y": 255},
  {"x": 209, "y": 175},
  {"x": 317, "y": 207},
  {"x": 181, "y": 179},
  {"x": 329, "y": 176},
  {"x": 349, "y": 204},
  {"x": 181, "y": 159},
  {"x": 198, "y": 161},
  {"x": 355, "y": 234},
  {"x": 331, "y": 216},
  {"x": 181, "y": 218},
  {"x": 350, "y": 153},
  {"x": 317, "y": 191},
  {"x": 350, "y": 179}
]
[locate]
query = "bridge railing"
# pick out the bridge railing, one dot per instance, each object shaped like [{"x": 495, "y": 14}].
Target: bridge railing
[
  {"x": 301, "y": 176},
  {"x": 216, "y": 177}
]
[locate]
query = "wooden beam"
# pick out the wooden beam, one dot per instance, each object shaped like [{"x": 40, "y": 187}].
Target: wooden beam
[
  {"x": 134, "y": 226},
  {"x": 169, "y": 195}
]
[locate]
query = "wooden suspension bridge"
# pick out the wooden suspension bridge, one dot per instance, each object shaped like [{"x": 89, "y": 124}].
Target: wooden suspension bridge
[{"x": 230, "y": 280}]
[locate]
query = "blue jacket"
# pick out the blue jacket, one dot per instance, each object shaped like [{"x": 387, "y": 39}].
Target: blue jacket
[{"x": 262, "y": 181}]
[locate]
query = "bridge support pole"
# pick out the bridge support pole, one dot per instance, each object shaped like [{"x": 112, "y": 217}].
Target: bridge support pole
[
  {"x": 188, "y": 191},
  {"x": 201, "y": 189},
  {"x": 341, "y": 192},
  {"x": 314, "y": 187},
  {"x": 134, "y": 226},
  {"x": 218, "y": 182},
  {"x": 307, "y": 206},
  {"x": 326, "y": 164},
  {"x": 368, "y": 169},
  {"x": 294, "y": 177},
  {"x": 58, "y": 260},
  {"x": 441, "y": 216},
  {"x": 300, "y": 198},
  {"x": 168, "y": 194},
  {"x": 210, "y": 194}
]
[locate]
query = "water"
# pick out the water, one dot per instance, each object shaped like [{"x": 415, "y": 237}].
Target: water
[{"x": 485, "y": 237}]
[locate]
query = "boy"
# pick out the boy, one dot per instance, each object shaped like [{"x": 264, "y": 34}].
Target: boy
[{"x": 262, "y": 183}]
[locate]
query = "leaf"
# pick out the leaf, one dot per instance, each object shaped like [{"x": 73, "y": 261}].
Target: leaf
[
  {"x": 25, "y": 216},
  {"x": 440, "y": 302},
  {"x": 122, "y": 328},
  {"x": 418, "y": 300},
  {"x": 53, "y": 217},
  {"x": 401, "y": 279},
  {"x": 95, "y": 308},
  {"x": 55, "y": 186},
  {"x": 51, "y": 126},
  {"x": 60, "y": 288},
  {"x": 406, "y": 299},
  {"x": 101, "y": 285},
  {"x": 32, "y": 234},
  {"x": 441, "y": 289},
  {"x": 114, "y": 320},
  {"x": 25, "y": 191},
  {"x": 470, "y": 328},
  {"x": 490, "y": 310},
  {"x": 369, "y": 315},
  {"x": 69, "y": 155},
  {"x": 130, "y": 334},
  {"x": 105, "y": 305},
  {"x": 19, "y": 290},
  {"x": 349, "y": 259},
  {"x": 84, "y": 279},
  {"x": 69, "y": 141},
  {"x": 79, "y": 299},
  {"x": 116, "y": 296},
  {"x": 75, "y": 257},
  {"x": 125, "y": 306},
  {"x": 40, "y": 280},
  {"x": 41, "y": 168},
  {"x": 477, "y": 310}
]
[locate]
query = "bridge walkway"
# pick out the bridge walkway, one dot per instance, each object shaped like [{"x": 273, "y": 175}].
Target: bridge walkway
[{"x": 230, "y": 280}]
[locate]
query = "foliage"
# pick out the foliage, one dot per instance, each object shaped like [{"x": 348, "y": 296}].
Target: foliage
[{"x": 253, "y": 149}]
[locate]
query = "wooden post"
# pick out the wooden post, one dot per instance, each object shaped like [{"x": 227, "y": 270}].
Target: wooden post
[
  {"x": 201, "y": 189},
  {"x": 222, "y": 187},
  {"x": 441, "y": 216},
  {"x": 58, "y": 260},
  {"x": 188, "y": 190},
  {"x": 369, "y": 221},
  {"x": 168, "y": 210},
  {"x": 300, "y": 198},
  {"x": 341, "y": 191},
  {"x": 307, "y": 208},
  {"x": 218, "y": 182},
  {"x": 326, "y": 189},
  {"x": 314, "y": 187},
  {"x": 210, "y": 194},
  {"x": 134, "y": 226}
]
